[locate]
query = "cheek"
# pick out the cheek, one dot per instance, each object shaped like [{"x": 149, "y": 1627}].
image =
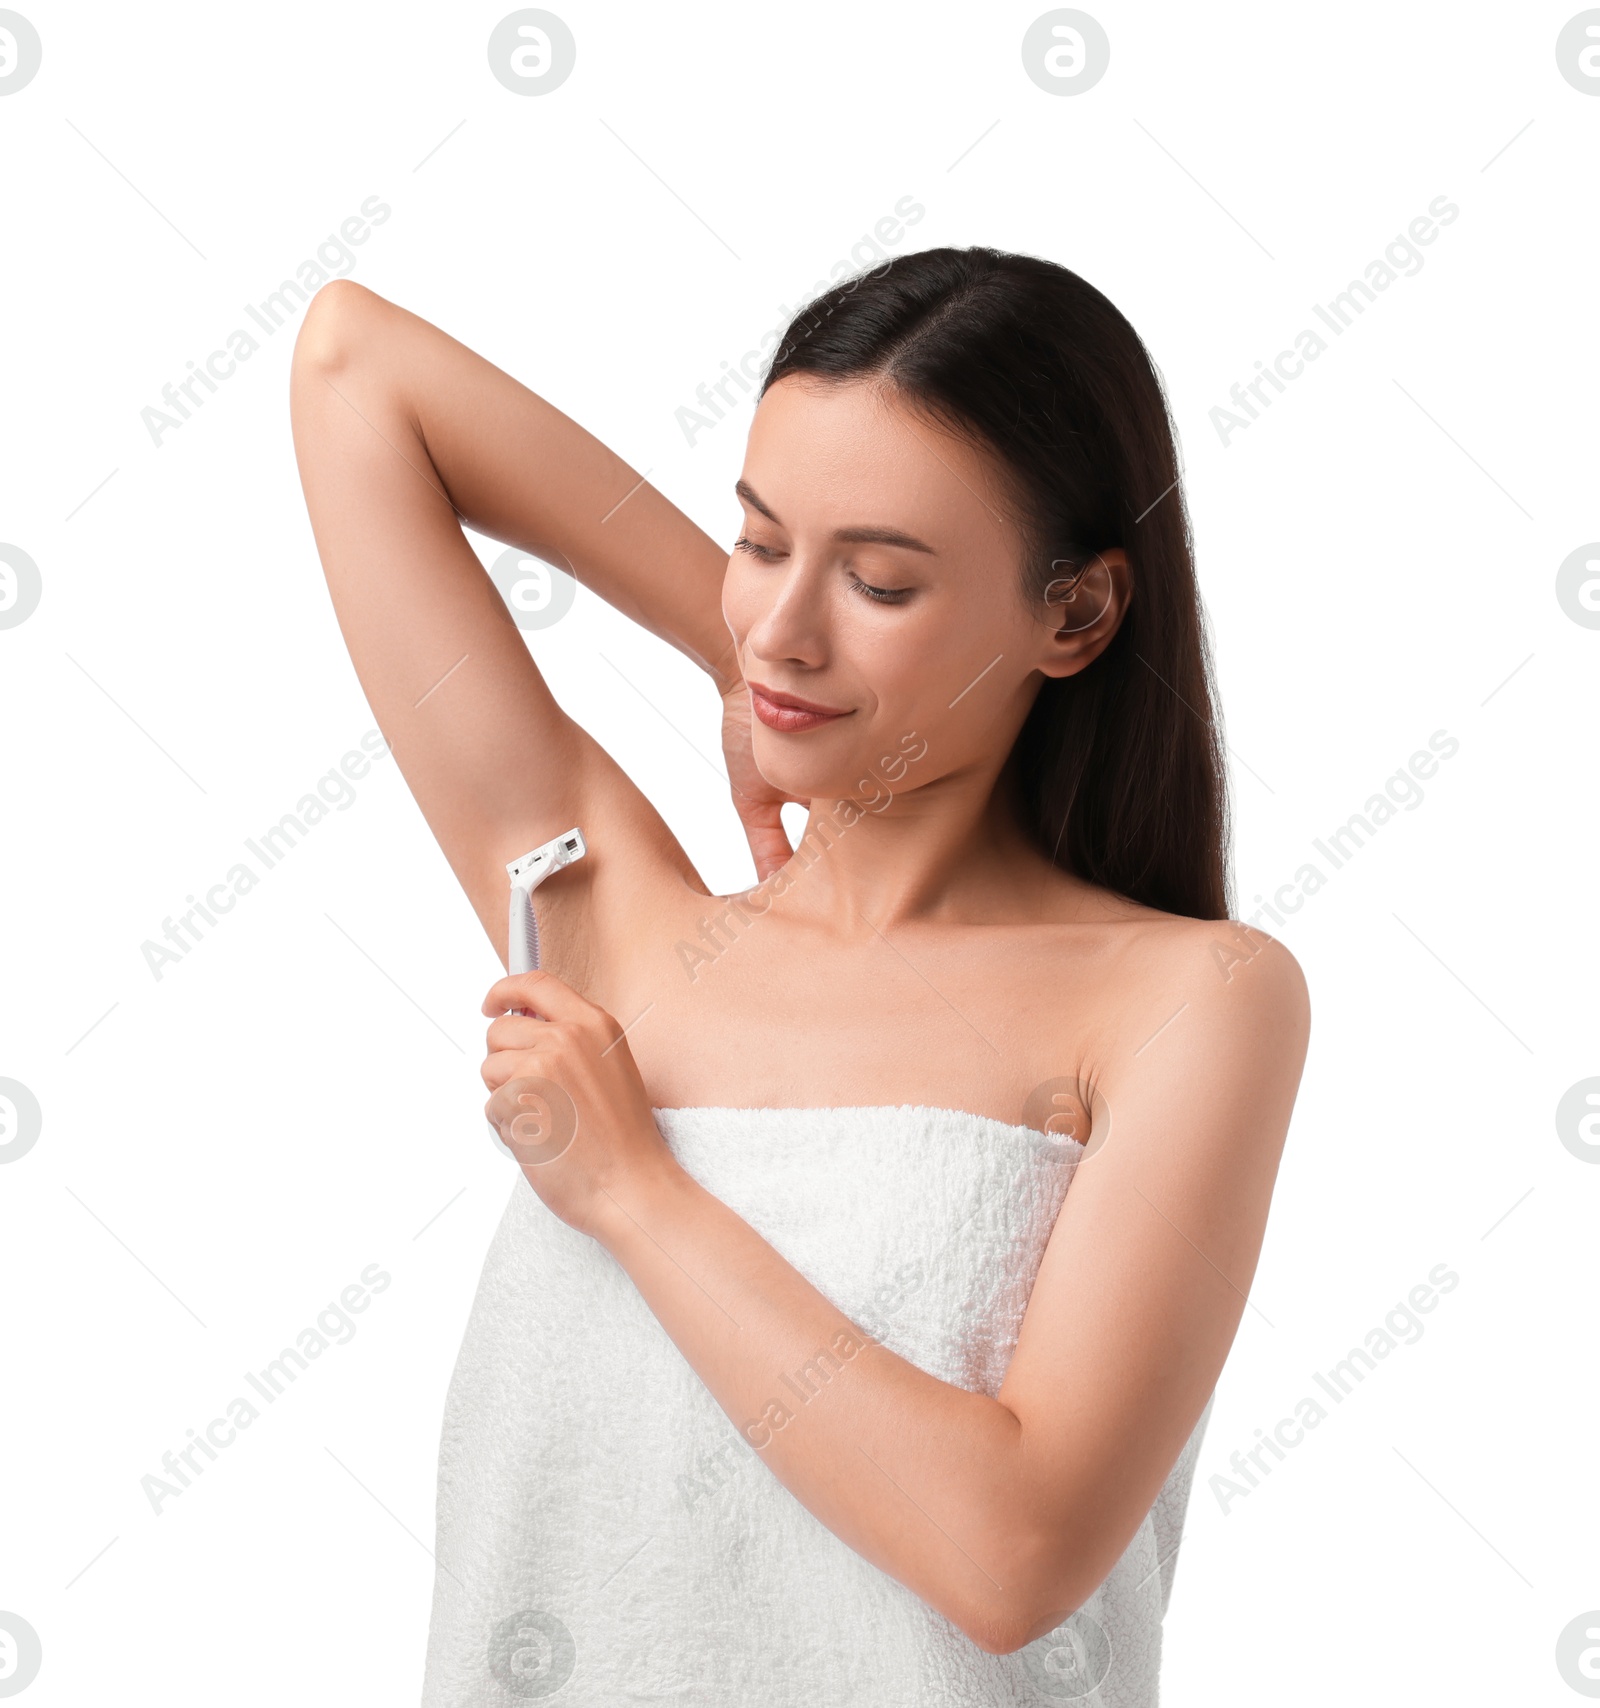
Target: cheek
[
  {"x": 938, "y": 682},
  {"x": 904, "y": 665},
  {"x": 740, "y": 601}
]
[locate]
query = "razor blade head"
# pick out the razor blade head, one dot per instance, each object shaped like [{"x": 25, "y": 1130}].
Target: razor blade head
[{"x": 549, "y": 857}]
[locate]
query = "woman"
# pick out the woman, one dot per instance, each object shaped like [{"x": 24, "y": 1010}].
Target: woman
[{"x": 799, "y": 1158}]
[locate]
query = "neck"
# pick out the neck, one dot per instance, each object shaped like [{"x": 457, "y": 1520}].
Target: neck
[{"x": 951, "y": 849}]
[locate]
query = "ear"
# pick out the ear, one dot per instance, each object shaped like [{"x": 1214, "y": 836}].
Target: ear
[{"x": 1082, "y": 609}]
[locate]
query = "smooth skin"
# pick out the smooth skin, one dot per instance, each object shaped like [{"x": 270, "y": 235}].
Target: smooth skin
[{"x": 914, "y": 949}]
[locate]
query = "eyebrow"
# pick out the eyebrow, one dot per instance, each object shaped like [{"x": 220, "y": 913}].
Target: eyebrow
[{"x": 852, "y": 536}]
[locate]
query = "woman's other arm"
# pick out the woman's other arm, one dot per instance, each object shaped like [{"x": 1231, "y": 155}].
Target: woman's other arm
[
  {"x": 402, "y": 434},
  {"x": 1004, "y": 1514}
]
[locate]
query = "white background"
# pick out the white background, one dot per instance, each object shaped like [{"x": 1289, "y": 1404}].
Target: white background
[{"x": 226, "y": 1148}]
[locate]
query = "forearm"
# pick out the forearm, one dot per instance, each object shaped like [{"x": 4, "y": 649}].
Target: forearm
[
  {"x": 516, "y": 469},
  {"x": 926, "y": 1480}
]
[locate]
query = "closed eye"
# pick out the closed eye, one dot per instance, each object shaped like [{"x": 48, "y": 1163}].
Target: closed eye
[{"x": 884, "y": 595}]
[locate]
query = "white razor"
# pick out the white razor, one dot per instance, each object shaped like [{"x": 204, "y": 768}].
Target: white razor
[{"x": 526, "y": 874}]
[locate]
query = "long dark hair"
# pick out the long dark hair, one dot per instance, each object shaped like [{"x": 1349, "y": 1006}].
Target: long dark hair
[{"x": 1120, "y": 767}]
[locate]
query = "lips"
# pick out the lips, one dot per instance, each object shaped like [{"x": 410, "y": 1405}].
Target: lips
[{"x": 788, "y": 712}]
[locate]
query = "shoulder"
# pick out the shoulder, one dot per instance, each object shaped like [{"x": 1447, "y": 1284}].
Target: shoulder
[
  {"x": 1213, "y": 998},
  {"x": 1197, "y": 1046},
  {"x": 1226, "y": 966},
  {"x": 1138, "y": 965}
]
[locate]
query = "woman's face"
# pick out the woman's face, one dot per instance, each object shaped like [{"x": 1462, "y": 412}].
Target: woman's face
[{"x": 877, "y": 577}]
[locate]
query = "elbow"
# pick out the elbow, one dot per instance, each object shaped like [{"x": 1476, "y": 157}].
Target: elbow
[
  {"x": 1000, "y": 1635},
  {"x": 1004, "y": 1629},
  {"x": 1039, "y": 1593},
  {"x": 336, "y": 327}
]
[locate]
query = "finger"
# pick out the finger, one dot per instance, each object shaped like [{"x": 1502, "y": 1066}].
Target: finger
[
  {"x": 540, "y": 993},
  {"x": 502, "y": 1105},
  {"x": 525, "y": 1104},
  {"x": 506, "y": 1065},
  {"x": 769, "y": 841},
  {"x": 771, "y": 852},
  {"x": 514, "y": 1032}
]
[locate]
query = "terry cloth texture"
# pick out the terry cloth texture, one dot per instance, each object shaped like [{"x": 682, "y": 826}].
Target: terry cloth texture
[{"x": 607, "y": 1537}]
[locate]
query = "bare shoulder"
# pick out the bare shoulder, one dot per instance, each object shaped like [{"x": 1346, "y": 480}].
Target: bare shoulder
[
  {"x": 1200, "y": 1002},
  {"x": 1225, "y": 966}
]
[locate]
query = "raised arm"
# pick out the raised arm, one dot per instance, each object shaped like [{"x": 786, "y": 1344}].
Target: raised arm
[{"x": 402, "y": 434}]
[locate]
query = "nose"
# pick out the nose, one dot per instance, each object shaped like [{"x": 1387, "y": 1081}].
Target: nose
[{"x": 792, "y": 626}]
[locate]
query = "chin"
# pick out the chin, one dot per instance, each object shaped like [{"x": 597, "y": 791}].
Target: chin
[
  {"x": 800, "y": 765},
  {"x": 806, "y": 782}
]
